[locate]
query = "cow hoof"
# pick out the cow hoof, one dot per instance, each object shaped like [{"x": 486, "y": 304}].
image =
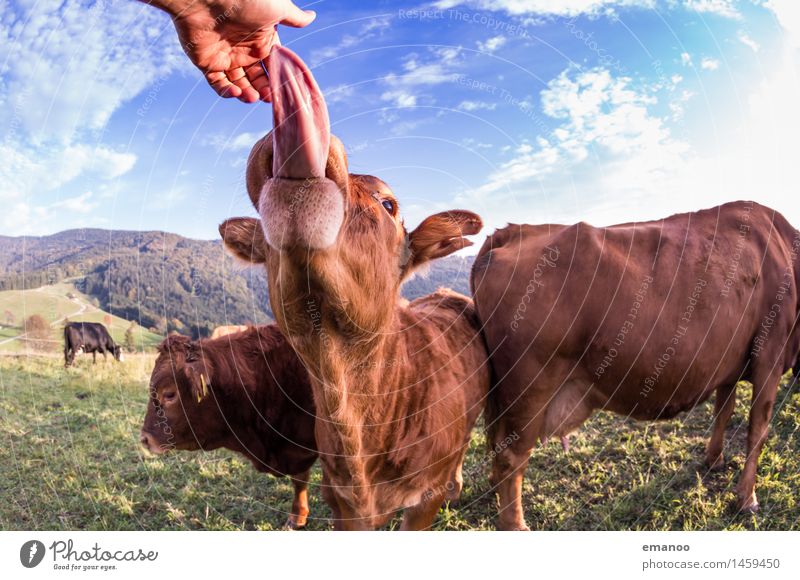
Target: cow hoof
[
  {"x": 513, "y": 527},
  {"x": 749, "y": 509},
  {"x": 717, "y": 464},
  {"x": 293, "y": 524}
]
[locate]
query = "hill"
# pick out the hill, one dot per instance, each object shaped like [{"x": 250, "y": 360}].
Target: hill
[
  {"x": 58, "y": 303},
  {"x": 163, "y": 281}
]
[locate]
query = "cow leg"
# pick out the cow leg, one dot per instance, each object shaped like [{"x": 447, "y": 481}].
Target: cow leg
[
  {"x": 345, "y": 517},
  {"x": 299, "y": 516},
  {"x": 724, "y": 403},
  {"x": 330, "y": 498},
  {"x": 508, "y": 472},
  {"x": 94, "y": 357},
  {"x": 456, "y": 483},
  {"x": 350, "y": 520},
  {"x": 765, "y": 390},
  {"x": 422, "y": 515},
  {"x": 795, "y": 373}
]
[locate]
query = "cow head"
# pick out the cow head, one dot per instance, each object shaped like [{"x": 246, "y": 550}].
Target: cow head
[
  {"x": 117, "y": 352},
  {"x": 323, "y": 229},
  {"x": 181, "y": 411}
]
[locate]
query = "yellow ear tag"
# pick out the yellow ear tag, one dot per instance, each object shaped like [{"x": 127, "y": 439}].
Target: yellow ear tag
[{"x": 204, "y": 394}]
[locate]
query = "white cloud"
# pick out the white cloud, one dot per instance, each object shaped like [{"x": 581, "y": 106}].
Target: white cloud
[
  {"x": 677, "y": 104},
  {"x": 339, "y": 94},
  {"x": 67, "y": 67},
  {"x": 709, "y": 63},
  {"x": 569, "y": 8},
  {"x": 492, "y": 44},
  {"x": 545, "y": 7},
  {"x": 420, "y": 72},
  {"x": 400, "y": 98},
  {"x": 168, "y": 199},
  {"x": 686, "y": 59},
  {"x": 80, "y": 203},
  {"x": 611, "y": 160},
  {"x": 601, "y": 115},
  {"x": 749, "y": 42},
  {"x": 369, "y": 30},
  {"x": 606, "y": 144},
  {"x": 470, "y": 143},
  {"x": 24, "y": 218},
  {"x": 232, "y": 144},
  {"x": 724, "y": 8},
  {"x": 471, "y": 106},
  {"x": 36, "y": 170},
  {"x": 788, "y": 15}
]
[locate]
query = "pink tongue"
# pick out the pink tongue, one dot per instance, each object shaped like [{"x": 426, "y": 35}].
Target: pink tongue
[{"x": 301, "y": 136}]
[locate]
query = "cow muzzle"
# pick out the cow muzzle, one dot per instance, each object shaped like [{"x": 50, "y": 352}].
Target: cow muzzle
[{"x": 299, "y": 205}]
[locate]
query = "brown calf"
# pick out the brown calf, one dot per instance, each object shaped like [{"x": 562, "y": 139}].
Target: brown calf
[
  {"x": 247, "y": 392},
  {"x": 398, "y": 387},
  {"x": 646, "y": 320}
]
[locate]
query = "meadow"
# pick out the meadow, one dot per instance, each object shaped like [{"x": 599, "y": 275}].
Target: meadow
[
  {"x": 70, "y": 460},
  {"x": 56, "y": 303}
]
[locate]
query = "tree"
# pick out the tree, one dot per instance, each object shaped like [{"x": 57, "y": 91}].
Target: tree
[
  {"x": 10, "y": 318},
  {"x": 37, "y": 332},
  {"x": 130, "y": 340},
  {"x": 161, "y": 326}
]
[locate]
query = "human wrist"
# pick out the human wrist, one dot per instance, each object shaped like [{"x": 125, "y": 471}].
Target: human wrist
[{"x": 181, "y": 8}]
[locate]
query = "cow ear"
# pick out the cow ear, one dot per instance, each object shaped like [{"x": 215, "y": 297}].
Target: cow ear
[
  {"x": 440, "y": 235},
  {"x": 174, "y": 343},
  {"x": 199, "y": 377},
  {"x": 244, "y": 239}
]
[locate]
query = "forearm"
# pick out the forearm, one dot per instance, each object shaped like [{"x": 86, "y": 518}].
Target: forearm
[{"x": 179, "y": 7}]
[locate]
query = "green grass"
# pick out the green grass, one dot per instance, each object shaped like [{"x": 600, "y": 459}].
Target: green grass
[
  {"x": 52, "y": 303},
  {"x": 69, "y": 459}
]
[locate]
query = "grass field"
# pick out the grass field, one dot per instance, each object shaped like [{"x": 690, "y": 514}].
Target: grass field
[
  {"x": 54, "y": 304},
  {"x": 69, "y": 459}
]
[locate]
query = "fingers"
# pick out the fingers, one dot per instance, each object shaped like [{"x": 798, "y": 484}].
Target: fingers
[
  {"x": 239, "y": 78},
  {"x": 248, "y": 86},
  {"x": 222, "y": 85},
  {"x": 259, "y": 81},
  {"x": 298, "y": 18}
]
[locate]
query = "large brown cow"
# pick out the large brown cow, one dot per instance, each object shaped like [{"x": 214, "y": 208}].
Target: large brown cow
[
  {"x": 645, "y": 320},
  {"x": 246, "y": 392},
  {"x": 398, "y": 386}
]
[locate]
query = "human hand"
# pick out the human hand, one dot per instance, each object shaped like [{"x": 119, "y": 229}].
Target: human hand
[{"x": 228, "y": 39}]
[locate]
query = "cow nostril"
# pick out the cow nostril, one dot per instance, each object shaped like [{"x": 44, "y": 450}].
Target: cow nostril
[{"x": 144, "y": 440}]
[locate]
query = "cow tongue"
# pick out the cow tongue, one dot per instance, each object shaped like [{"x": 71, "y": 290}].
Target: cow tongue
[{"x": 301, "y": 135}]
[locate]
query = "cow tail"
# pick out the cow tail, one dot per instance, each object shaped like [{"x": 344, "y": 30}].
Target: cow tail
[{"x": 491, "y": 413}]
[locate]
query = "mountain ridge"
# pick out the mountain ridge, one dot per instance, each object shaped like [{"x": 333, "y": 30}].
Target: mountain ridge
[{"x": 165, "y": 281}]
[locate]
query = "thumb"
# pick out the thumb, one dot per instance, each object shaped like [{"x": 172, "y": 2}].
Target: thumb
[{"x": 298, "y": 18}]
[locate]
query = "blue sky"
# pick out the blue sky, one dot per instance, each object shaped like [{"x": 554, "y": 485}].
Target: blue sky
[{"x": 521, "y": 110}]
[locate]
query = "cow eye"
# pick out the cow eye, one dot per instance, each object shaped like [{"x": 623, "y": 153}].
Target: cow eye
[
  {"x": 388, "y": 205},
  {"x": 169, "y": 395}
]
